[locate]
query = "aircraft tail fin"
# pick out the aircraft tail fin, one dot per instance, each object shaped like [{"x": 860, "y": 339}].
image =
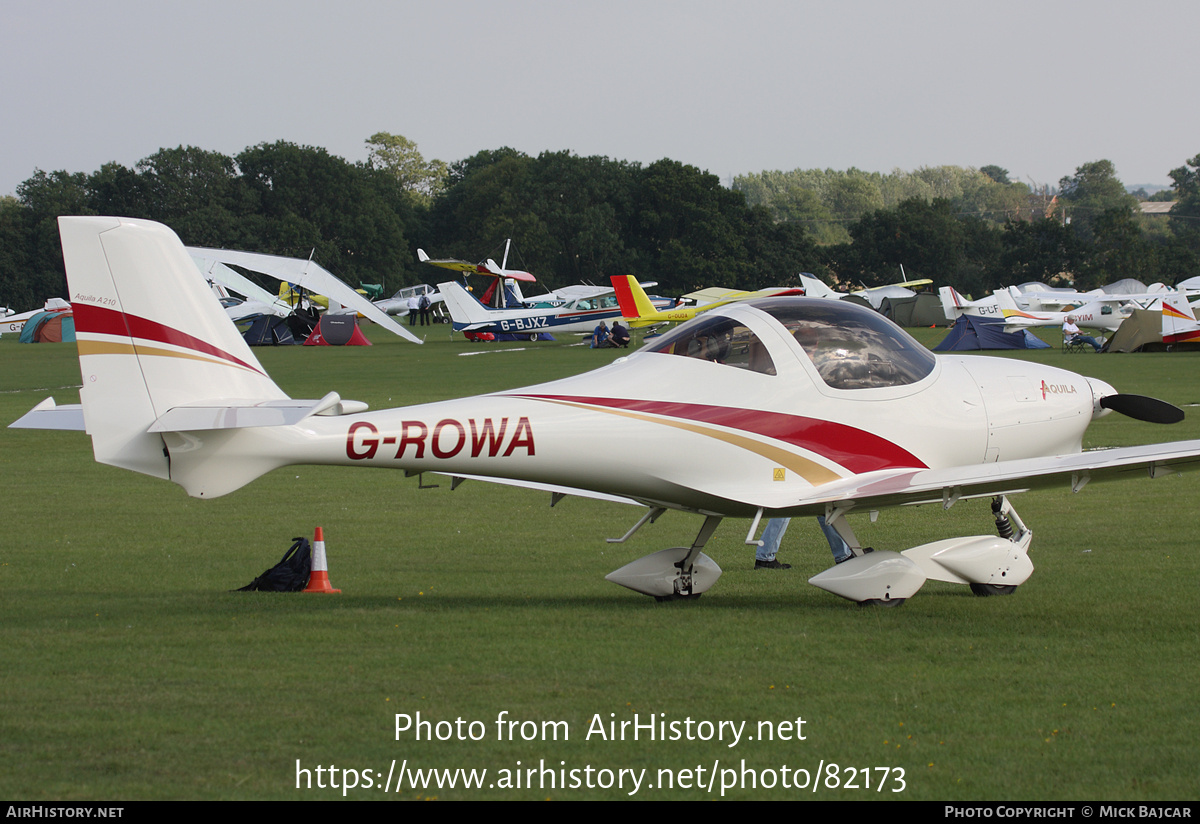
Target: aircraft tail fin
[
  {"x": 953, "y": 304},
  {"x": 1008, "y": 306},
  {"x": 152, "y": 338},
  {"x": 466, "y": 311},
  {"x": 632, "y": 298},
  {"x": 815, "y": 287},
  {"x": 1178, "y": 320}
]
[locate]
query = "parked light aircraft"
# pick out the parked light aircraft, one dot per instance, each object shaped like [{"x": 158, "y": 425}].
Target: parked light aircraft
[
  {"x": 1097, "y": 314},
  {"x": 502, "y": 307},
  {"x": 816, "y": 288},
  {"x": 770, "y": 407},
  {"x": 639, "y": 310},
  {"x": 505, "y": 289},
  {"x": 310, "y": 276},
  {"x": 1179, "y": 324},
  {"x": 16, "y": 322},
  {"x": 397, "y": 304},
  {"x": 579, "y": 315},
  {"x": 227, "y": 284},
  {"x": 955, "y": 305},
  {"x": 1049, "y": 301}
]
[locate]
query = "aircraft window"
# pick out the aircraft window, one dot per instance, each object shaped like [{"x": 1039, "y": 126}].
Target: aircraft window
[
  {"x": 719, "y": 340},
  {"x": 609, "y": 302},
  {"x": 851, "y": 346},
  {"x": 585, "y": 305}
]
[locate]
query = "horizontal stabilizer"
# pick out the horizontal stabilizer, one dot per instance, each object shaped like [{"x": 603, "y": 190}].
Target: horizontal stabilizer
[
  {"x": 49, "y": 415},
  {"x": 205, "y": 416}
]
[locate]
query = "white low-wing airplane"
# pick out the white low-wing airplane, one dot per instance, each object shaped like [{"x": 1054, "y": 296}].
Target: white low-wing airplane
[
  {"x": 816, "y": 288},
  {"x": 773, "y": 407}
]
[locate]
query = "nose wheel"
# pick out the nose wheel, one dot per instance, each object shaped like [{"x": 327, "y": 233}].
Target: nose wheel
[{"x": 985, "y": 590}]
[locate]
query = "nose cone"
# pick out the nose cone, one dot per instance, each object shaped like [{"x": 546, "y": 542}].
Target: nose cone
[{"x": 1100, "y": 389}]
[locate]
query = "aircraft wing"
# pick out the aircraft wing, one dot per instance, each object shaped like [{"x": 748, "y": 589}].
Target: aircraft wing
[
  {"x": 909, "y": 487},
  {"x": 713, "y": 294},
  {"x": 309, "y": 275},
  {"x": 489, "y": 268},
  {"x": 576, "y": 292},
  {"x": 717, "y": 294},
  {"x": 234, "y": 282},
  {"x": 554, "y": 489}
]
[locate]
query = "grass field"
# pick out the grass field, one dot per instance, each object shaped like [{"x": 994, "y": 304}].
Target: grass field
[{"x": 128, "y": 670}]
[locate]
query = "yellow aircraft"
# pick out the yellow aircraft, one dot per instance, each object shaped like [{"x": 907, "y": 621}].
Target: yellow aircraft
[{"x": 639, "y": 311}]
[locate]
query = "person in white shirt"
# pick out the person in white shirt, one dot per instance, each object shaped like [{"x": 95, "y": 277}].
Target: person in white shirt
[{"x": 1071, "y": 334}]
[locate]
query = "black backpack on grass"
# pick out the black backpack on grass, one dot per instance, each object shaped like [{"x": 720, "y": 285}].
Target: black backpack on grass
[{"x": 289, "y": 575}]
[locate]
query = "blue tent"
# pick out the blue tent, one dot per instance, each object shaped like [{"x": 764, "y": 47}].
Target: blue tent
[
  {"x": 49, "y": 327},
  {"x": 973, "y": 332}
]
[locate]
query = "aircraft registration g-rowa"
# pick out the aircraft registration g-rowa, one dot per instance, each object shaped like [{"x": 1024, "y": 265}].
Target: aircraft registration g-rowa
[{"x": 769, "y": 407}]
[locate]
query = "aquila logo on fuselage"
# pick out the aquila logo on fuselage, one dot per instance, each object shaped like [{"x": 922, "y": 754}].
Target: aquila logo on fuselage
[
  {"x": 447, "y": 439},
  {"x": 1057, "y": 389}
]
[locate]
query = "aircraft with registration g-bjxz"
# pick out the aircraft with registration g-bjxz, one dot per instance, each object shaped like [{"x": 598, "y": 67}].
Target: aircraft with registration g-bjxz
[
  {"x": 505, "y": 310},
  {"x": 779, "y": 406}
]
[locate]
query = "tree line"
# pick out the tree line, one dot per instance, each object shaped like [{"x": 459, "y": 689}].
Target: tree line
[{"x": 576, "y": 219}]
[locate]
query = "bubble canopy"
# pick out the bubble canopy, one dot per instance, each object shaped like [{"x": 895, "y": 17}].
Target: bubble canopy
[{"x": 851, "y": 346}]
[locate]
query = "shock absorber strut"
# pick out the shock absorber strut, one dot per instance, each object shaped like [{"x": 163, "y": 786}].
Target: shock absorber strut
[{"x": 1003, "y": 525}]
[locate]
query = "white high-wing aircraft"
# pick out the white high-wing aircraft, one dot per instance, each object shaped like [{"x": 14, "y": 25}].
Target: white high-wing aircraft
[
  {"x": 581, "y": 314},
  {"x": 773, "y": 407},
  {"x": 309, "y": 275},
  {"x": 955, "y": 305},
  {"x": 16, "y": 322},
  {"x": 1104, "y": 314}
]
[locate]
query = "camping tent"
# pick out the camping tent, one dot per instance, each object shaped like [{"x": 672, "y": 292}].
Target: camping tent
[
  {"x": 268, "y": 330},
  {"x": 973, "y": 332},
  {"x": 49, "y": 327},
  {"x": 923, "y": 309},
  {"x": 337, "y": 330}
]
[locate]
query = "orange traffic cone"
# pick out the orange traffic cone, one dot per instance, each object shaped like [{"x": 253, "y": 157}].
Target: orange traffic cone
[{"x": 318, "y": 581}]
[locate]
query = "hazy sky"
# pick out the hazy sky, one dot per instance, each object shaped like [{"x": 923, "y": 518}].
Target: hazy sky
[{"x": 1036, "y": 87}]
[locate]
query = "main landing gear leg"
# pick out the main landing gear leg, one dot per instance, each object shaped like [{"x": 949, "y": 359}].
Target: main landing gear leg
[
  {"x": 990, "y": 565},
  {"x": 679, "y": 572}
]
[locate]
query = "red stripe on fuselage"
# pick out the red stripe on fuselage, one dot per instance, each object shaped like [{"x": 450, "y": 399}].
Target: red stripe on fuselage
[
  {"x": 857, "y": 450},
  {"x": 99, "y": 320}
]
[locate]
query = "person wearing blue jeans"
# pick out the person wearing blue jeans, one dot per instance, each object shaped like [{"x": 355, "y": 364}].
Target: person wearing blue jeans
[{"x": 772, "y": 537}]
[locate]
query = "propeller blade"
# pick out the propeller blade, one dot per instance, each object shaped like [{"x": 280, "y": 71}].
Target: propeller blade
[{"x": 1142, "y": 408}]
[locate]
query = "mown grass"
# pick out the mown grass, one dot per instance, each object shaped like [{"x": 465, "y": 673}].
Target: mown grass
[{"x": 129, "y": 670}]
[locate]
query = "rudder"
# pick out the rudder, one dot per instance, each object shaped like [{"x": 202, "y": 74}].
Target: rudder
[{"x": 151, "y": 337}]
